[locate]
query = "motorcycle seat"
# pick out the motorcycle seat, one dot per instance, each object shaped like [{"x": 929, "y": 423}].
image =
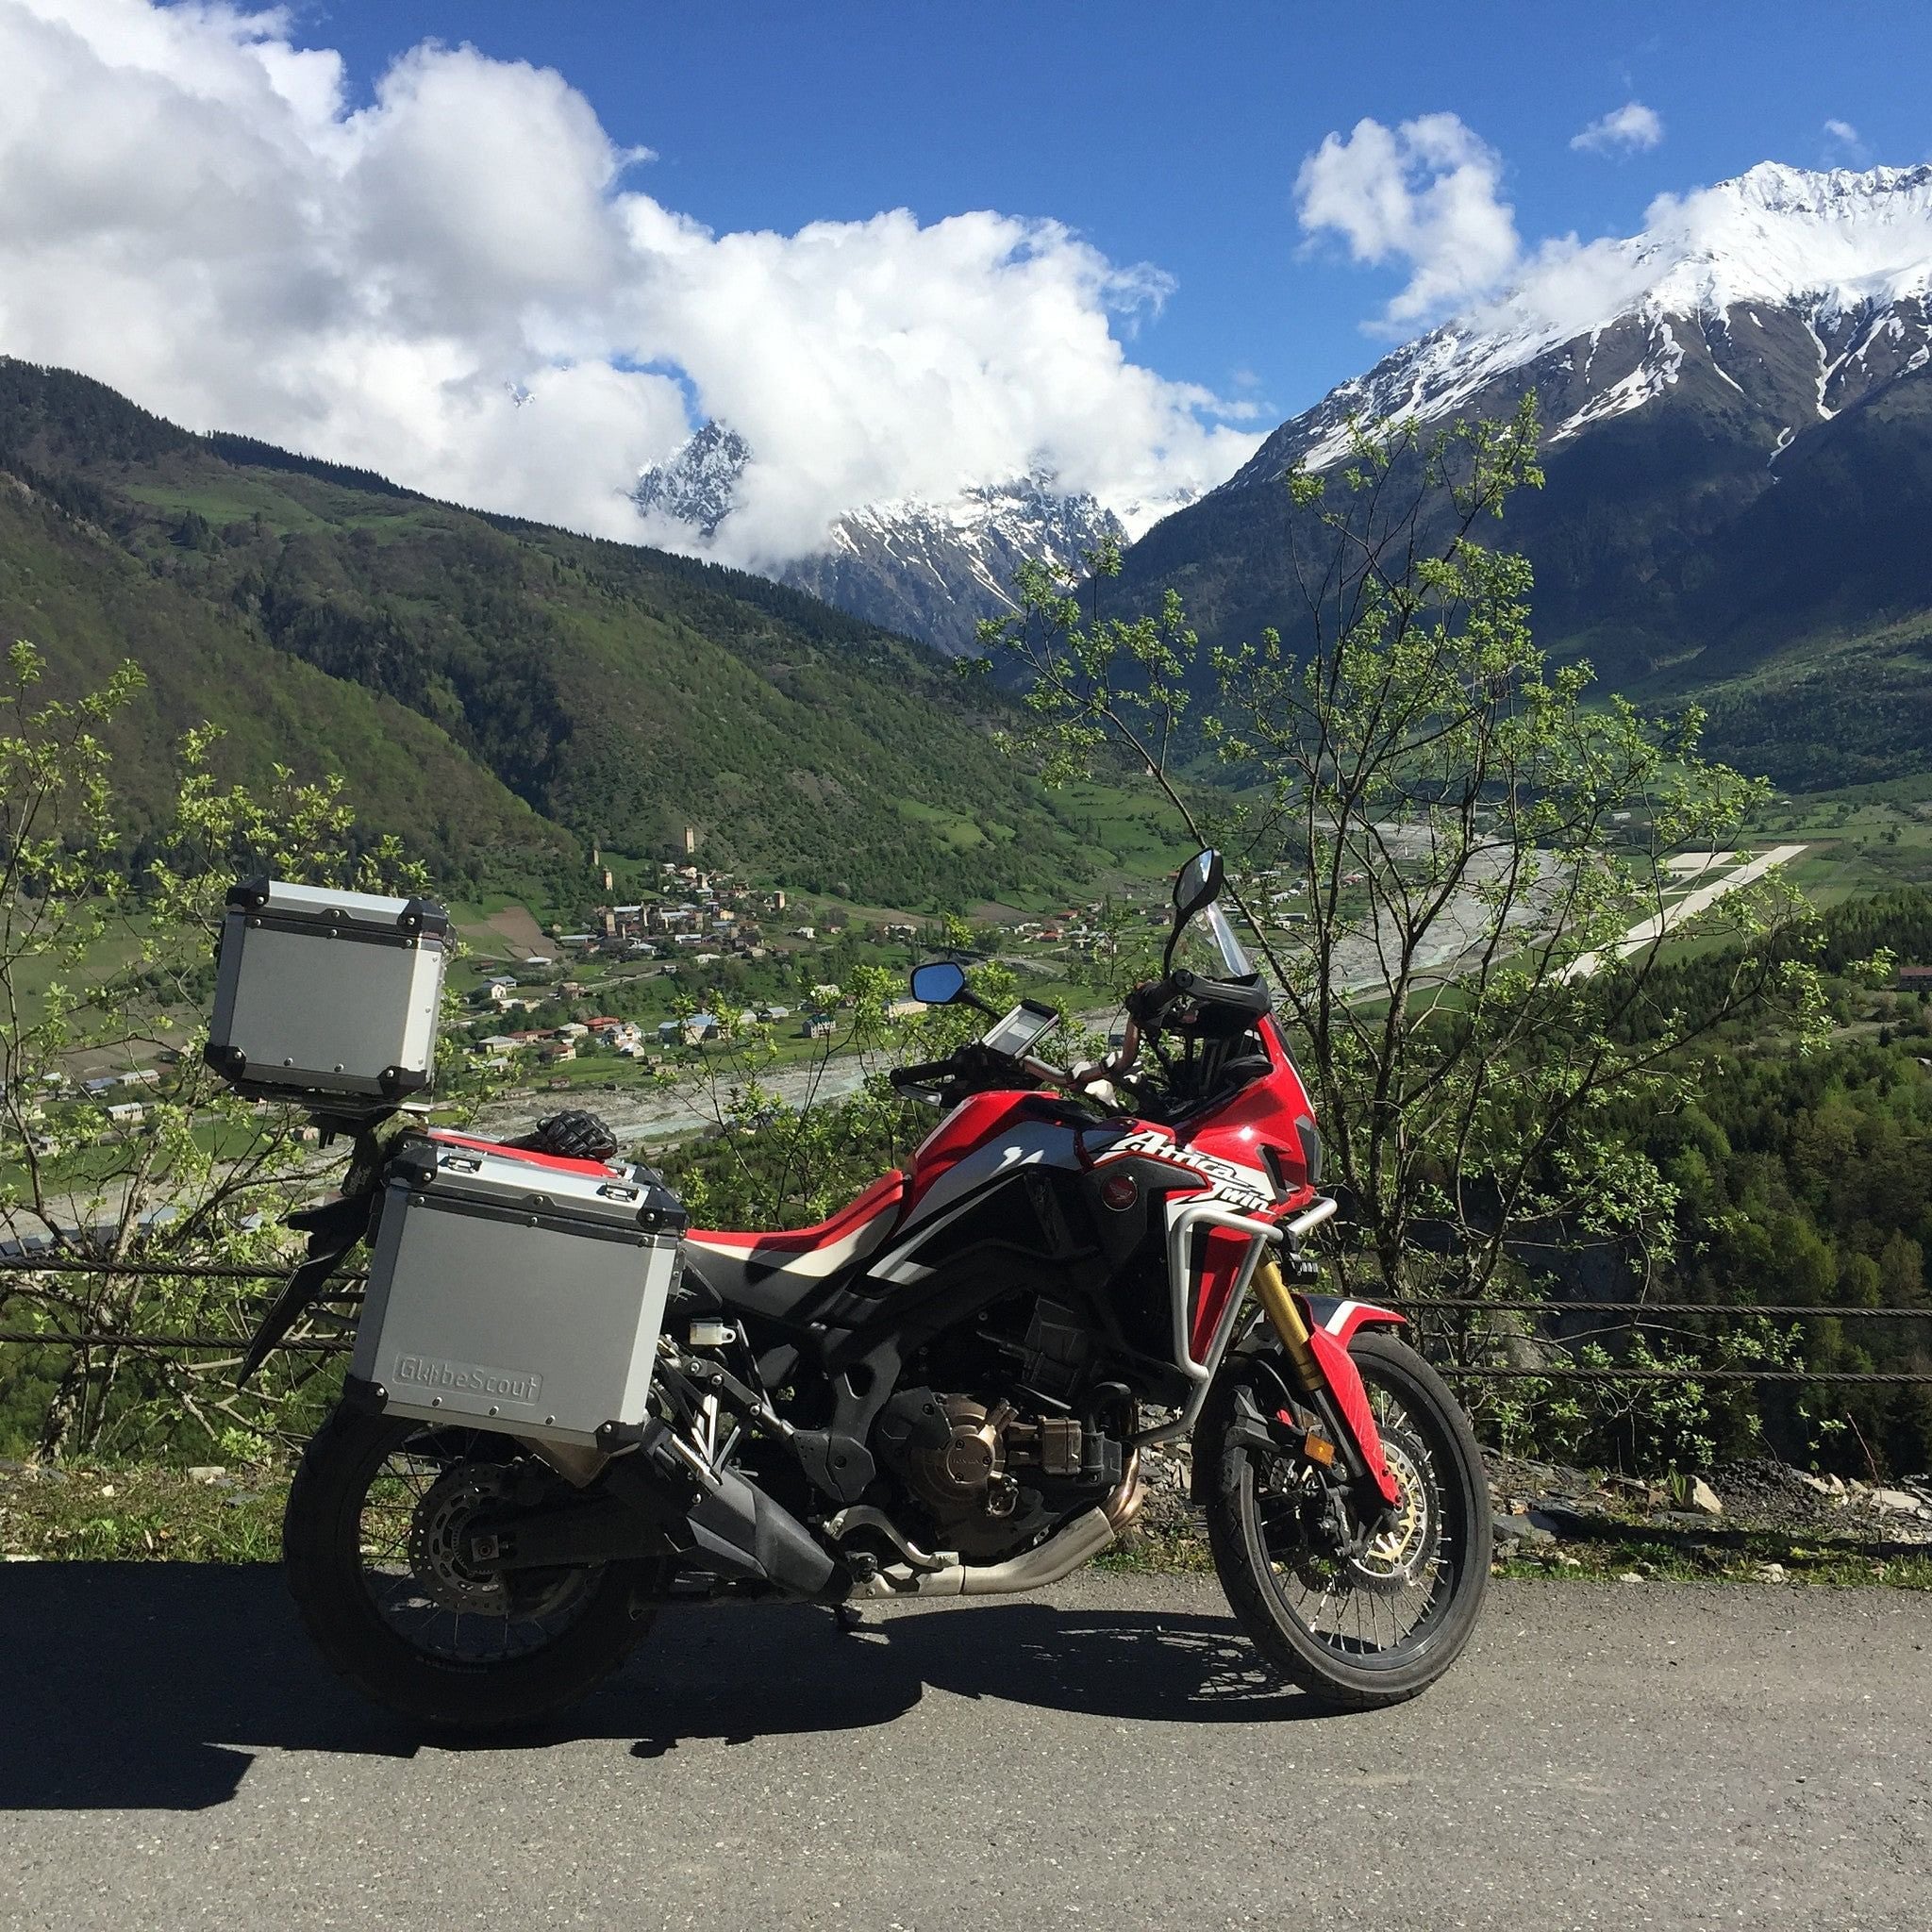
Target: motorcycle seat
[{"x": 772, "y": 1271}]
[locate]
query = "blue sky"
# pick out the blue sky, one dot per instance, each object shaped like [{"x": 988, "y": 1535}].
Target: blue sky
[{"x": 1173, "y": 134}]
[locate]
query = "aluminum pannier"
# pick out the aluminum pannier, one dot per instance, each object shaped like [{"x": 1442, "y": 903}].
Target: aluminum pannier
[
  {"x": 516, "y": 1292},
  {"x": 326, "y": 997}
]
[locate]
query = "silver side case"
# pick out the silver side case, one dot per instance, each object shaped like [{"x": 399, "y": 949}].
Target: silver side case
[
  {"x": 322, "y": 995},
  {"x": 510, "y": 1295}
]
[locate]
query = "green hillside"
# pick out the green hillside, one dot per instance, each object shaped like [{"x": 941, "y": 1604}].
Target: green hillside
[
  {"x": 1794, "y": 601},
  {"x": 499, "y": 692}
]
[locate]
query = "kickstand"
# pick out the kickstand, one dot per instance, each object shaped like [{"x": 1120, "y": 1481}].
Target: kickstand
[{"x": 848, "y": 1618}]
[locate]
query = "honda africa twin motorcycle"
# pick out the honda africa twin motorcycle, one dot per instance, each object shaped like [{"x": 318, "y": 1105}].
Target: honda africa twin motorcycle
[{"x": 945, "y": 1389}]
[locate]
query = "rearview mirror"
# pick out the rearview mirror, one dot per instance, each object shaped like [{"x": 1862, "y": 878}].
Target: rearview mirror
[
  {"x": 938, "y": 982},
  {"x": 1197, "y": 884}
]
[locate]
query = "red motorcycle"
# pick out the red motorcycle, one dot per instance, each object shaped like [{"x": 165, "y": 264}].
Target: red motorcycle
[{"x": 945, "y": 1389}]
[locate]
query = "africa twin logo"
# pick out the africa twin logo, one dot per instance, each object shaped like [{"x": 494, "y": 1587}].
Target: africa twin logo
[{"x": 1226, "y": 1181}]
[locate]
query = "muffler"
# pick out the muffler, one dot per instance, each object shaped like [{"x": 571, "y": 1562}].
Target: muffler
[
  {"x": 740, "y": 1531},
  {"x": 722, "y": 1524}
]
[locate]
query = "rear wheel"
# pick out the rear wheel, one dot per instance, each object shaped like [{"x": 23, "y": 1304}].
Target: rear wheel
[
  {"x": 377, "y": 1525},
  {"x": 1358, "y": 1620}
]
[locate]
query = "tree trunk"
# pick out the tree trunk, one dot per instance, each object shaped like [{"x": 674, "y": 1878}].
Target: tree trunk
[{"x": 66, "y": 1410}]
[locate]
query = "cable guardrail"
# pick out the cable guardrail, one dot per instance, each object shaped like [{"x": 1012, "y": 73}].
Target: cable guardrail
[{"x": 1543, "y": 1372}]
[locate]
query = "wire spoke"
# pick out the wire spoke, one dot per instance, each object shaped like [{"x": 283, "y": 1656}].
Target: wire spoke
[
  {"x": 409, "y": 1530},
  {"x": 1378, "y": 1597}
]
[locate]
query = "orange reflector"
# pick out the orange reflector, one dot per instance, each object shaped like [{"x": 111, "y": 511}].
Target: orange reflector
[{"x": 1318, "y": 1449}]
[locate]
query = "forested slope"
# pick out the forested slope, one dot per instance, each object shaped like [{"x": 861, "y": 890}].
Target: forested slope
[{"x": 495, "y": 691}]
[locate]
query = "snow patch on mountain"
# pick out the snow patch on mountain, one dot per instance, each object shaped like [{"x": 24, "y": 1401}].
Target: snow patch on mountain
[
  {"x": 936, "y": 569},
  {"x": 1842, "y": 251}
]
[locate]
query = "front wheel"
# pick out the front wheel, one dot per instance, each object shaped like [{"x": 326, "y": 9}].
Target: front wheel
[
  {"x": 375, "y": 1524},
  {"x": 1358, "y": 1621}
]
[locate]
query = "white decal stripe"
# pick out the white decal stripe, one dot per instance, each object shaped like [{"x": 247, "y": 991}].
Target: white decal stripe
[
  {"x": 1339, "y": 1319},
  {"x": 808, "y": 1263}
]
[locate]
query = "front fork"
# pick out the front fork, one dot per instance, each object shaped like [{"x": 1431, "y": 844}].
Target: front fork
[{"x": 1320, "y": 1369}]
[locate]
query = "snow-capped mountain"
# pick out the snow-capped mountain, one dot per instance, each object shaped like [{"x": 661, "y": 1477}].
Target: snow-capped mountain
[
  {"x": 931, "y": 570},
  {"x": 1802, "y": 292},
  {"x": 699, "y": 485},
  {"x": 934, "y": 570},
  {"x": 1736, "y": 411}
]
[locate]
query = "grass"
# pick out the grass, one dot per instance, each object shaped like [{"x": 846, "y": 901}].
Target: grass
[
  {"x": 1173, "y": 1544},
  {"x": 139, "y": 1513},
  {"x": 1747, "y": 1557}
]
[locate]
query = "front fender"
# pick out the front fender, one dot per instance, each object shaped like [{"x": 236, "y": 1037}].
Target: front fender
[
  {"x": 1333, "y": 1322},
  {"x": 1336, "y": 1316}
]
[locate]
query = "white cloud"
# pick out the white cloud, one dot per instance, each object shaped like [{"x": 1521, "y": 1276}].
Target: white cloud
[
  {"x": 1624, "y": 130},
  {"x": 1843, "y": 142},
  {"x": 191, "y": 211},
  {"x": 1426, "y": 194}
]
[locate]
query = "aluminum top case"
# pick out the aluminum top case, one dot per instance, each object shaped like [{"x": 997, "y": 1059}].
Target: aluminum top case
[
  {"x": 327, "y": 998},
  {"x": 516, "y": 1292}
]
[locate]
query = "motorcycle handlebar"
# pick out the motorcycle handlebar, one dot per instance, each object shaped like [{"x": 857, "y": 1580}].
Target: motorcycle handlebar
[
  {"x": 912, "y": 1079},
  {"x": 1150, "y": 1003},
  {"x": 919, "y": 1082}
]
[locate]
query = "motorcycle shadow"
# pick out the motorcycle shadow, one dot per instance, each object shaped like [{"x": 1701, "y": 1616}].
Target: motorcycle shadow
[
  {"x": 735, "y": 1674},
  {"x": 154, "y": 1686}
]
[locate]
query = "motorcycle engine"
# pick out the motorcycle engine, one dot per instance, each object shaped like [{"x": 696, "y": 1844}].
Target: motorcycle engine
[{"x": 992, "y": 1477}]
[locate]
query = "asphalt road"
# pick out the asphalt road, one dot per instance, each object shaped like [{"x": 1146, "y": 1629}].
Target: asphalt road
[{"x": 1618, "y": 1754}]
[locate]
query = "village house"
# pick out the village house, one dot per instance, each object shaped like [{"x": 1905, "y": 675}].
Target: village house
[{"x": 693, "y": 1030}]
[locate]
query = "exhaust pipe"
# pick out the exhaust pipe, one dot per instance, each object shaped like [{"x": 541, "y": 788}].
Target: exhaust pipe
[
  {"x": 1058, "y": 1556},
  {"x": 733, "y": 1528}
]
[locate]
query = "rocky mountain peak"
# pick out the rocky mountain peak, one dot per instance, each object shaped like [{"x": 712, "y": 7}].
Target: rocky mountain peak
[{"x": 698, "y": 484}]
